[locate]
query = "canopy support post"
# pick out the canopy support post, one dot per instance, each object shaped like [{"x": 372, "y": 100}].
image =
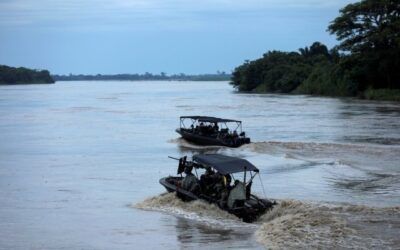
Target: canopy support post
[
  {"x": 245, "y": 171},
  {"x": 262, "y": 185}
]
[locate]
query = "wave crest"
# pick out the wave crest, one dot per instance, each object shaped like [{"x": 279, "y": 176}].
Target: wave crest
[
  {"x": 198, "y": 210},
  {"x": 295, "y": 224}
]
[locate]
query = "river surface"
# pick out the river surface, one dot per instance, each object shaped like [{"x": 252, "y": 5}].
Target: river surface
[{"x": 80, "y": 164}]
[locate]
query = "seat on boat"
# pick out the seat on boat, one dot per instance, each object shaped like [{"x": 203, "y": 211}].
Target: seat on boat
[{"x": 224, "y": 130}]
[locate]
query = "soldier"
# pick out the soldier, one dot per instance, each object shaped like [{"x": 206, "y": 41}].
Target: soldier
[
  {"x": 190, "y": 182},
  {"x": 206, "y": 180}
]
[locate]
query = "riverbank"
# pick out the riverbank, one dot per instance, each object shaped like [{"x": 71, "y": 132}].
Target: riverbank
[
  {"x": 364, "y": 64},
  {"x": 369, "y": 94},
  {"x": 382, "y": 94},
  {"x": 21, "y": 75}
]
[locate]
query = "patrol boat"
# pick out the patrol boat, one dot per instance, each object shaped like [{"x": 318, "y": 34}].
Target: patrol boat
[
  {"x": 207, "y": 130},
  {"x": 235, "y": 199}
]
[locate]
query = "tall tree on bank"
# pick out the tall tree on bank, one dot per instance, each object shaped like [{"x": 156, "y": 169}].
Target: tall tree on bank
[
  {"x": 369, "y": 32},
  {"x": 367, "y": 58},
  {"x": 279, "y": 72}
]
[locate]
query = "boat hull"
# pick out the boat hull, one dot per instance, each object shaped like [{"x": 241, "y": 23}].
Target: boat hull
[
  {"x": 249, "y": 212},
  {"x": 211, "y": 140}
]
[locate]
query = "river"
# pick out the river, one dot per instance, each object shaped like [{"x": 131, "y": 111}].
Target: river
[{"x": 80, "y": 164}]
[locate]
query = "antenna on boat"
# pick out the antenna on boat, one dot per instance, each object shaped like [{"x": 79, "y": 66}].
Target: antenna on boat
[
  {"x": 173, "y": 158},
  {"x": 262, "y": 185}
]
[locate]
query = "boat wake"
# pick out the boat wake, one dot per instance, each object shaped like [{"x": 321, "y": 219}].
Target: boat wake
[
  {"x": 367, "y": 157},
  {"x": 196, "y": 210},
  {"x": 185, "y": 144},
  {"x": 297, "y": 224},
  {"x": 356, "y": 173}
]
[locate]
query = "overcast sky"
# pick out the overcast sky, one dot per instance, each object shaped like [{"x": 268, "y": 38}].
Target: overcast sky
[{"x": 172, "y": 36}]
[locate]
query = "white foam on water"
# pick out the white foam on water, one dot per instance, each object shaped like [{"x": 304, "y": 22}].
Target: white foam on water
[
  {"x": 353, "y": 169},
  {"x": 298, "y": 225},
  {"x": 294, "y": 224},
  {"x": 185, "y": 144},
  {"x": 196, "y": 210},
  {"x": 366, "y": 157}
]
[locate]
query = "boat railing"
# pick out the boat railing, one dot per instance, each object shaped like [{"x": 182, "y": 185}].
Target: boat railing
[{"x": 195, "y": 123}]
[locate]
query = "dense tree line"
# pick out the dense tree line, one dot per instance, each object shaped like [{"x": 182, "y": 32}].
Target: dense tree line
[
  {"x": 11, "y": 75},
  {"x": 220, "y": 76},
  {"x": 367, "y": 58}
]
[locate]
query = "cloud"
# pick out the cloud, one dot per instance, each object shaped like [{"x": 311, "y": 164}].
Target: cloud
[{"x": 134, "y": 13}]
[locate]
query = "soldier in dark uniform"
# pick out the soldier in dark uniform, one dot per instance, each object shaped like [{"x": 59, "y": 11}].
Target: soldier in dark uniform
[
  {"x": 207, "y": 181},
  {"x": 190, "y": 182}
]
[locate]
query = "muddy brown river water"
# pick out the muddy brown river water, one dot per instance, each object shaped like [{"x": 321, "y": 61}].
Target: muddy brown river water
[{"x": 80, "y": 164}]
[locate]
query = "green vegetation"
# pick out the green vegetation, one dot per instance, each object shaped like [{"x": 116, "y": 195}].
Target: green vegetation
[
  {"x": 219, "y": 76},
  {"x": 382, "y": 94},
  {"x": 11, "y": 75},
  {"x": 366, "y": 63}
]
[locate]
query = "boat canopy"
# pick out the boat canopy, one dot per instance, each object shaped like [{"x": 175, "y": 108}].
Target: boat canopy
[
  {"x": 208, "y": 119},
  {"x": 225, "y": 164}
]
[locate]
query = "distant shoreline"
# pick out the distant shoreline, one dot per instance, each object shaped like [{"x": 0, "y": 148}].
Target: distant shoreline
[
  {"x": 144, "y": 80},
  {"x": 25, "y": 83},
  {"x": 144, "y": 77}
]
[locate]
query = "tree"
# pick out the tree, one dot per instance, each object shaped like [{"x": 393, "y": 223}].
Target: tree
[
  {"x": 369, "y": 32},
  {"x": 278, "y": 71},
  {"x": 316, "y": 48},
  {"x": 11, "y": 75}
]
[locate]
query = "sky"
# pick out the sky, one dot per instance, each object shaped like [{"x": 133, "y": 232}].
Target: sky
[{"x": 172, "y": 36}]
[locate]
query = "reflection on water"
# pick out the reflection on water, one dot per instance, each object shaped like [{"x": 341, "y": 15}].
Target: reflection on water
[
  {"x": 73, "y": 154},
  {"x": 371, "y": 122}
]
